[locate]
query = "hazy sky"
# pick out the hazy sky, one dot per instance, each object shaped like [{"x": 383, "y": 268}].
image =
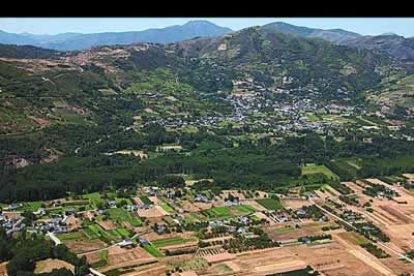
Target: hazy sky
[{"x": 366, "y": 26}]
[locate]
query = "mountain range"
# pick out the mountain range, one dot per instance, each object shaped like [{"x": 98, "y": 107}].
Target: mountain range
[
  {"x": 78, "y": 41},
  {"x": 390, "y": 43}
]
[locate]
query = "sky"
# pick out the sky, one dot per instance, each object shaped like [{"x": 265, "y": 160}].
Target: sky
[{"x": 364, "y": 26}]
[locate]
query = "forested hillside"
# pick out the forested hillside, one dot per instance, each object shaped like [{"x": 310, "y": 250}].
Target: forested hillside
[{"x": 67, "y": 118}]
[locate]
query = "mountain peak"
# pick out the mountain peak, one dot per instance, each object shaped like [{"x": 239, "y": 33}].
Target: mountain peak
[
  {"x": 205, "y": 25},
  {"x": 199, "y": 22},
  {"x": 288, "y": 28},
  {"x": 389, "y": 34},
  {"x": 281, "y": 23}
]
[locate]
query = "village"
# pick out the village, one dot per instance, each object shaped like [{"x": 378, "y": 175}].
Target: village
[
  {"x": 276, "y": 110},
  {"x": 364, "y": 227}
]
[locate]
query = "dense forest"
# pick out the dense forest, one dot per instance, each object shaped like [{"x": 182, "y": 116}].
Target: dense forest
[{"x": 255, "y": 166}]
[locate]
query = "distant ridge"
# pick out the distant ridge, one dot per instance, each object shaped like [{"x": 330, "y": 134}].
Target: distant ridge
[
  {"x": 389, "y": 43},
  {"x": 78, "y": 41},
  {"x": 333, "y": 35}
]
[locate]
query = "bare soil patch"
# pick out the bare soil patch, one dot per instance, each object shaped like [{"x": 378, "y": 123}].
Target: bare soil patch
[
  {"x": 150, "y": 270},
  {"x": 161, "y": 210},
  {"x": 3, "y": 269},
  {"x": 395, "y": 213},
  {"x": 221, "y": 257},
  {"x": 306, "y": 229},
  {"x": 261, "y": 262},
  {"x": 235, "y": 193},
  {"x": 362, "y": 255},
  {"x": 48, "y": 265},
  {"x": 188, "y": 206},
  {"x": 396, "y": 265},
  {"x": 107, "y": 224},
  {"x": 281, "y": 267},
  {"x": 204, "y": 206},
  {"x": 192, "y": 182},
  {"x": 73, "y": 223},
  {"x": 233, "y": 266},
  {"x": 154, "y": 199},
  {"x": 138, "y": 200},
  {"x": 376, "y": 181},
  {"x": 402, "y": 235},
  {"x": 154, "y": 236},
  {"x": 92, "y": 257},
  {"x": 150, "y": 212},
  {"x": 255, "y": 205},
  {"x": 334, "y": 260},
  {"x": 120, "y": 257},
  {"x": 410, "y": 176},
  {"x": 79, "y": 247},
  {"x": 295, "y": 203}
]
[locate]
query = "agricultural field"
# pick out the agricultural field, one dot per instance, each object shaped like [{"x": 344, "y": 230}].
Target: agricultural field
[
  {"x": 223, "y": 268},
  {"x": 284, "y": 229},
  {"x": 197, "y": 236},
  {"x": 270, "y": 203},
  {"x": 94, "y": 199},
  {"x": 120, "y": 215},
  {"x": 127, "y": 200},
  {"x": 191, "y": 218},
  {"x": 171, "y": 241},
  {"x": 214, "y": 252},
  {"x": 245, "y": 209},
  {"x": 310, "y": 169},
  {"x": 218, "y": 212},
  {"x": 153, "y": 251},
  {"x": 228, "y": 212},
  {"x": 98, "y": 259},
  {"x": 347, "y": 166},
  {"x": 71, "y": 236},
  {"x": 194, "y": 264},
  {"x": 167, "y": 207},
  {"x": 145, "y": 200},
  {"x": 301, "y": 272},
  {"x": 292, "y": 232}
]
